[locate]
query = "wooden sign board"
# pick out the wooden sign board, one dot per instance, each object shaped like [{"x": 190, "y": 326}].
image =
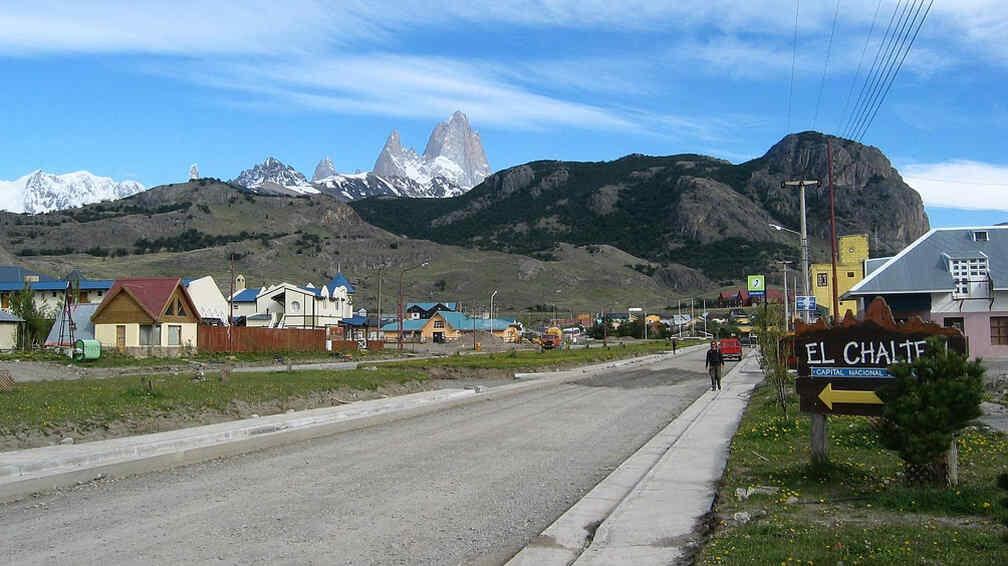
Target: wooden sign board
[{"x": 841, "y": 366}]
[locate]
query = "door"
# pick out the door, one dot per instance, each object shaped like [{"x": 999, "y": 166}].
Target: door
[{"x": 121, "y": 337}]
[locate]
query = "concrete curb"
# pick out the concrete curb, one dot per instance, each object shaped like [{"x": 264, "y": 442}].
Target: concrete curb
[
  {"x": 23, "y": 472},
  {"x": 572, "y": 537}
]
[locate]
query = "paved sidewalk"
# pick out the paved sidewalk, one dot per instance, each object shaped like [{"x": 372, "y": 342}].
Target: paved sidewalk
[{"x": 649, "y": 509}]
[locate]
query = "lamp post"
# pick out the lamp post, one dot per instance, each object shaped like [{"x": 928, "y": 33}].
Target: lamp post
[
  {"x": 805, "y": 260},
  {"x": 402, "y": 274},
  {"x": 492, "y": 295}
]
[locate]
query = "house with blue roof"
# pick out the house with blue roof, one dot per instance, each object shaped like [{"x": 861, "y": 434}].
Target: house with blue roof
[
  {"x": 48, "y": 292},
  {"x": 450, "y": 326},
  {"x": 950, "y": 276},
  {"x": 286, "y": 305},
  {"x": 427, "y": 310}
]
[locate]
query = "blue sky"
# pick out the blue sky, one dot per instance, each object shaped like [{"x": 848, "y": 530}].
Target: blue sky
[{"x": 142, "y": 90}]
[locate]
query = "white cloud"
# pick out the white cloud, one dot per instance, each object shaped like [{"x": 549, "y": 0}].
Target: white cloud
[{"x": 960, "y": 184}]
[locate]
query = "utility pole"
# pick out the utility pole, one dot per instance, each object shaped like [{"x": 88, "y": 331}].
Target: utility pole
[
  {"x": 787, "y": 310},
  {"x": 605, "y": 329},
  {"x": 381, "y": 334},
  {"x": 833, "y": 238},
  {"x": 801, "y": 184},
  {"x": 230, "y": 315},
  {"x": 402, "y": 274}
]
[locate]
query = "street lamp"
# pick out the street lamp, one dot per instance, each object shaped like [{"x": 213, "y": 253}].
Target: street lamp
[
  {"x": 402, "y": 274},
  {"x": 492, "y": 295},
  {"x": 804, "y": 252}
]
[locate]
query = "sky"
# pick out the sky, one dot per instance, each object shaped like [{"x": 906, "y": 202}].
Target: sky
[{"x": 141, "y": 90}]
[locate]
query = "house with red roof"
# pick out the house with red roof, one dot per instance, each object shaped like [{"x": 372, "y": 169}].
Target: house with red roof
[{"x": 152, "y": 316}]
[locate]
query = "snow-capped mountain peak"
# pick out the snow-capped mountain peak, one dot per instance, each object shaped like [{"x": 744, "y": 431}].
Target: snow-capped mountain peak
[
  {"x": 454, "y": 152},
  {"x": 40, "y": 191},
  {"x": 324, "y": 169},
  {"x": 273, "y": 174}
]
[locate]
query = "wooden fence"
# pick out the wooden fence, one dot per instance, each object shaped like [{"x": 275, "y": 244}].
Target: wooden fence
[
  {"x": 255, "y": 339},
  {"x": 272, "y": 340}
]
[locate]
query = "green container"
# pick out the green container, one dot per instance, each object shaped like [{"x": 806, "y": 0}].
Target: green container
[{"x": 87, "y": 350}]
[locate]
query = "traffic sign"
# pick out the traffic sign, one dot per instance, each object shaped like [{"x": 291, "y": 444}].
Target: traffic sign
[
  {"x": 805, "y": 303},
  {"x": 841, "y": 366},
  {"x": 756, "y": 285}
]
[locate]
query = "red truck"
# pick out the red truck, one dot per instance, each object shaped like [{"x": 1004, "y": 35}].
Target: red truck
[{"x": 731, "y": 348}]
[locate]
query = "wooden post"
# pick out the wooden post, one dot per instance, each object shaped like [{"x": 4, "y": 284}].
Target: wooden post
[
  {"x": 819, "y": 439},
  {"x": 952, "y": 464}
]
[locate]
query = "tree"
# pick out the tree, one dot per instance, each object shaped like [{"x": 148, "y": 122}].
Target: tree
[
  {"x": 773, "y": 356},
  {"x": 926, "y": 403},
  {"x": 37, "y": 322}
]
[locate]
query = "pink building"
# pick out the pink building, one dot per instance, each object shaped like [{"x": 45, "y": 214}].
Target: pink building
[{"x": 951, "y": 276}]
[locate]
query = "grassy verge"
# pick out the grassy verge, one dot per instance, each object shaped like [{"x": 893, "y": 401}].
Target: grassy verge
[
  {"x": 857, "y": 509},
  {"x": 95, "y": 403},
  {"x": 111, "y": 359},
  {"x": 530, "y": 360}
]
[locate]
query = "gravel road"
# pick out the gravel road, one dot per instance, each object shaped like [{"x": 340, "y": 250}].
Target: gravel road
[{"x": 470, "y": 485}]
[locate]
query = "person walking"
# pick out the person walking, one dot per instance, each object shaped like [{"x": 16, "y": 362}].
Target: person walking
[
  {"x": 714, "y": 364},
  {"x": 675, "y": 346}
]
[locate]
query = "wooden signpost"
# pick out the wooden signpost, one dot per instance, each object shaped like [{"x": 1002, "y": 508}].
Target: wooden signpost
[{"x": 841, "y": 367}]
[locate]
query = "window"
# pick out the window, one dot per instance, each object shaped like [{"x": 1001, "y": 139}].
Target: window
[
  {"x": 850, "y": 275},
  {"x": 295, "y": 306},
  {"x": 150, "y": 335},
  {"x": 174, "y": 335},
  {"x": 822, "y": 280},
  {"x": 981, "y": 236},
  {"x": 439, "y": 323},
  {"x": 968, "y": 274},
  {"x": 954, "y": 322},
  {"x": 999, "y": 330}
]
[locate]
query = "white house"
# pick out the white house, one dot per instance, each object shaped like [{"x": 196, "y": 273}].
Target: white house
[
  {"x": 207, "y": 298},
  {"x": 285, "y": 305}
]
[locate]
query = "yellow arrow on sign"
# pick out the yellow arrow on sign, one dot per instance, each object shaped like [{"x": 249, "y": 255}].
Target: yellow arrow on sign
[{"x": 829, "y": 396}]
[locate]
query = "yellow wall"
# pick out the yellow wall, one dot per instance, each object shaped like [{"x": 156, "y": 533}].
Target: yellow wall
[
  {"x": 853, "y": 248},
  {"x": 106, "y": 334},
  {"x": 852, "y": 251}
]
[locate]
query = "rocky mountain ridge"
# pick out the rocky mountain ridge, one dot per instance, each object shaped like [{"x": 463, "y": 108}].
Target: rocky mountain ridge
[{"x": 688, "y": 209}]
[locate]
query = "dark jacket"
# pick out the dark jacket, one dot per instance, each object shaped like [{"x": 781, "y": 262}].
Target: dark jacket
[{"x": 714, "y": 358}]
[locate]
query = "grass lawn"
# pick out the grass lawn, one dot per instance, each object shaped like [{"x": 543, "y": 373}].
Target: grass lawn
[
  {"x": 112, "y": 359},
  {"x": 518, "y": 360},
  {"x": 97, "y": 402},
  {"x": 857, "y": 509}
]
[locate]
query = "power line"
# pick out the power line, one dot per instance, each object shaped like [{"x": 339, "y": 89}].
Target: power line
[
  {"x": 864, "y": 51},
  {"x": 794, "y": 59},
  {"x": 896, "y": 72},
  {"x": 829, "y": 51},
  {"x": 871, "y": 71},
  {"x": 885, "y": 73}
]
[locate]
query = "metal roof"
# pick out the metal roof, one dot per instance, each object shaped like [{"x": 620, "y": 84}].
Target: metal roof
[
  {"x": 340, "y": 281},
  {"x": 83, "y": 327},
  {"x": 246, "y": 295},
  {"x": 17, "y": 274},
  {"x": 456, "y": 320},
  {"x": 6, "y": 316},
  {"x": 58, "y": 285},
  {"x": 871, "y": 265},
  {"x": 431, "y": 306},
  {"x": 922, "y": 266}
]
